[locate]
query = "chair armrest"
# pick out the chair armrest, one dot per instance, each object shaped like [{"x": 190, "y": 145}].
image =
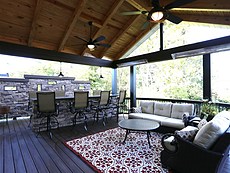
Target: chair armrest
[{"x": 173, "y": 143}]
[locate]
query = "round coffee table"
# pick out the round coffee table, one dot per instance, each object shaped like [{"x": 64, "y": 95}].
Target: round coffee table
[{"x": 138, "y": 125}]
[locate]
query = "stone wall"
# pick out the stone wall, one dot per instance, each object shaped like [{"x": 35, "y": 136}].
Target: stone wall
[{"x": 14, "y": 91}]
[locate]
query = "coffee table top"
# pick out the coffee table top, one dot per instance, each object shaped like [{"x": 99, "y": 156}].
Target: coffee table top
[{"x": 138, "y": 124}]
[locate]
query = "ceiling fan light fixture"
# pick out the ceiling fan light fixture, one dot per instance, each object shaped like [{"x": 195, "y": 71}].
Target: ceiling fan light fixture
[
  {"x": 157, "y": 15},
  {"x": 91, "y": 47}
]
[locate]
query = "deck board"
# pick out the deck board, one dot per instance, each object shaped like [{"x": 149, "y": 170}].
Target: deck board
[{"x": 21, "y": 150}]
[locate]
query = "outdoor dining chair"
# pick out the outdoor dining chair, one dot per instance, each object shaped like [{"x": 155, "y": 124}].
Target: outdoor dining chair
[{"x": 120, "y": 103}]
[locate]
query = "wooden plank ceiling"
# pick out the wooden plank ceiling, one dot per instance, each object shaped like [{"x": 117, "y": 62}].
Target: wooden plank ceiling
[{"x": 56, "y": 24}]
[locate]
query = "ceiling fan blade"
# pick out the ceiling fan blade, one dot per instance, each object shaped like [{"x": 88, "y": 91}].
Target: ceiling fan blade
[
  {"x": 145, "y": 25},
  {"x": 127, "y": 13},
  {"x": 155, "y": 3},
  {"x": 172, "y": 18},
  {"x": 103, "y": 45},
  {"x": 100, "y": 38},
  {"x": 177, "y": 4},
  {"x": 81, "y": 39}
]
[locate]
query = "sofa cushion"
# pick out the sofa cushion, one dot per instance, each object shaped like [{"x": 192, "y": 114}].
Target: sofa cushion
[
  {"x": 209, "y": 133},
  {"x": 156, "y": 118},
  {"x": 163, "y": 109},
  {"x": 147, "y": 106},
  {"x": 178, "y": 110},
  {"x": 173, "y": 122}
]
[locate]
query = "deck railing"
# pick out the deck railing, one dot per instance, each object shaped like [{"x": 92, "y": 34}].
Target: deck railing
[{"x": 200, "y": 106}]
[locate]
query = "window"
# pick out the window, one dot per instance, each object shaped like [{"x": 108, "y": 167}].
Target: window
[
  {"x": 176, "y": 79},
  {"x": 220, "y": 81},
  {"x": 52, "y": 82}
]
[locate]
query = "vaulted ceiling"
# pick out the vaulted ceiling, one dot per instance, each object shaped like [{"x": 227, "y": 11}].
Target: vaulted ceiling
[{"x": 62, "y": 25}]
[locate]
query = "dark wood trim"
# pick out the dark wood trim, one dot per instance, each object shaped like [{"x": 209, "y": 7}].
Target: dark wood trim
[
  {"x": 37, "y": 53},
  {"x": 199, "y": 48}
]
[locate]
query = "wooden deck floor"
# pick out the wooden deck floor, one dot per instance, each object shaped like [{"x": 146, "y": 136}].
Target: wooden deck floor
[{"x": 21, "y": 151}]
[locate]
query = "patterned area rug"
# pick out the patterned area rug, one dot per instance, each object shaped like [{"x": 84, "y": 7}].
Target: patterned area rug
[{"x": 105, "y": 152}]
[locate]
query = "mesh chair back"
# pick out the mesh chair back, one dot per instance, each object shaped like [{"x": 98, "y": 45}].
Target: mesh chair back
[
  {"x": 46, "y": 102},
  {"x": 122, "y": 95},
  {"x": 81, "y": 99},
  {"x": 96, "y": 92},
  {"x": 104, "y": 98},
  {"x": 32, "y": 95}
]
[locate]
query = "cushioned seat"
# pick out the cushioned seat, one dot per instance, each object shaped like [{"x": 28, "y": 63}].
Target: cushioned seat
[
  {"x": 173, "y": 122},
  {"x": 156, "y": 118}
]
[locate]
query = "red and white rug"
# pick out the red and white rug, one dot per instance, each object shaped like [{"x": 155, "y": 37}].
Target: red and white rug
[{"x": 105, "y": 152}]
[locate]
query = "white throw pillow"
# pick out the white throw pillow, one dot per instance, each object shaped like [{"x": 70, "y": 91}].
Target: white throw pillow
[
  {"x": 137, "y": 110},
  {"x": 209, "y": 133}
]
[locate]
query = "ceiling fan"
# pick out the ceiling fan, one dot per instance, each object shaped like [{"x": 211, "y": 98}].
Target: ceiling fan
[
  {"x": 92, "y": 44},
  {"x": 159, "y": 13}
]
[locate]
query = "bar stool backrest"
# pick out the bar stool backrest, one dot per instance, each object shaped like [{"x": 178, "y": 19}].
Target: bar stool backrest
[
  {"x": 46, "y": 102},
  {"x": 81, "y": 99},
  {"x": 122, "y": 95},
  {"x": 59, "y": 93},
  {"x": 104, "y": 98},
  {"x": 32, "y": 95}
]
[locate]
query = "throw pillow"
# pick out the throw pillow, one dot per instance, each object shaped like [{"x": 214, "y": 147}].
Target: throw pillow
[
  {"x": 188, "y": 135},
  {"x": 137, "y": 110},
  {"x": 201, "y": 123}
]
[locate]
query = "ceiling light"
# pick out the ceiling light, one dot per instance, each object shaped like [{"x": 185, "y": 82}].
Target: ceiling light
[
  {"x": 60, "y": 74},
  {"x": 91, "y": 46},
  {"x": 157, "y": 15}
]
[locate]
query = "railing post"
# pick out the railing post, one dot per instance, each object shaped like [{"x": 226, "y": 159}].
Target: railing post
[
  {"x": 207, "y": 77},
  {"x": 114, "y": 81},
  {"x": 132, "y": 86}
]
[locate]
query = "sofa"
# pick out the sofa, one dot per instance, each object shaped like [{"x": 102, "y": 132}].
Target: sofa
[
  {"x": 202, "y": 149},
  {"x": 167, "y": 114}
]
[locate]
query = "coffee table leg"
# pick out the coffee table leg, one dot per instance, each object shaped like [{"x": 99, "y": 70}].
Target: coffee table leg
[
  {"x": 127, "y": 132},
  {"x": 148, "y": 134}
]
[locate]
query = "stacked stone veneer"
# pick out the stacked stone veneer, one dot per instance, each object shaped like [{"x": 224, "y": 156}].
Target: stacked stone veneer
[{"x": 18, "y": 99}]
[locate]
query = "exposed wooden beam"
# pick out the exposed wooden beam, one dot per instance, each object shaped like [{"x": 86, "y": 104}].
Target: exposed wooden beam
[
  {"x": 120, "y": 33},
  {"x": 131, "y": 44},
  {"x": 138, "y": 4},
  {"x": 222, "y": 19},
  {"x": 72, "y": 23},
  {"x": 210, "y": 46},
  {"x": 107, "y": 18},
  {"x": 34, "y": 21},
  {"x": 37, "y": 53}
]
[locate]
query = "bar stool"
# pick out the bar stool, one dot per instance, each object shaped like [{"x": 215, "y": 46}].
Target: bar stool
[
  {"x": 47, "y": 110},
  {"x": 80, "y": 106},
  {"x": 4, "y": 110},
  {"x": 101, "y": 105}
]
